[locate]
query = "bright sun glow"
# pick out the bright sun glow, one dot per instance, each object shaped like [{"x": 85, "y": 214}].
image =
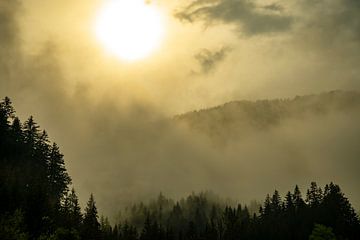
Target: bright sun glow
[{"x": 129, "y": 29}]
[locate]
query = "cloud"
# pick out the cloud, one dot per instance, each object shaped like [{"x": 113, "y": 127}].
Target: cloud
[
  {"x": 331, "y": 19},
  {"x": 9, "y": 37},
  {"x": 248, "y": 18},
  {"x": 8, "y": 24},
  {"x": 131, "y": 151},
  {"x": 328, "y": 31},
  {"x": 209, "y": 60},
  {"x": 274, "y": 7}
]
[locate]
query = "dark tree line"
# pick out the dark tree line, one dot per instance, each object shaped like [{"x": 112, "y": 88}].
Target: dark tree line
[
  {"x": 322, "y": 214},
  {"x": 36, "y": 203}
]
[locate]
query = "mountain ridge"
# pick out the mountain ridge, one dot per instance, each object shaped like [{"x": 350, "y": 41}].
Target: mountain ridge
[{"x": 232, "y": 116}]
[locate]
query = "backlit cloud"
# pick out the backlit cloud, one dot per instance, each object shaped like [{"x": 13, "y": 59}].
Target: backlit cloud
[{"x": 247, "y": 17}]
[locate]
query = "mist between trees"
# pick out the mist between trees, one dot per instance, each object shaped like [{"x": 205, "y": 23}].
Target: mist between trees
[{"x": 37, "y": 203}]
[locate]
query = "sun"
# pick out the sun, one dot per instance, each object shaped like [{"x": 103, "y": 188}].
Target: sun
[{"x": 129, "y": 29}]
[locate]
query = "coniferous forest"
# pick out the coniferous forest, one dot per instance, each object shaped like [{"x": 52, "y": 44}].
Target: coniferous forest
[{"x": 38, "y": 202}]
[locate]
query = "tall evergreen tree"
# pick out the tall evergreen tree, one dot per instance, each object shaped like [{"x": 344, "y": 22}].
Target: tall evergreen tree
[
  {"x": 266, "y": 210},
  {"x": 106, "y": 229},
  {"x": 314, "y": 195},
  {"x": 57, "y": 174},
  {"x": 31, "y": 131},
  {"x": 71, "y": 211},
  {"x": 338, "y": 213},
  {"x": 297, "y": 197},
  {"x": 6, "y": 109},
  {"x": 289, "y": 202},
  {"x": 91, "y": 225},
  {"x": 276, "y": 203}
]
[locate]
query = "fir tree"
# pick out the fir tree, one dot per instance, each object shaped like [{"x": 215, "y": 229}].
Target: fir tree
[
  {"x": 91, "y": 225},
  {"x": 57, "y": 174}
]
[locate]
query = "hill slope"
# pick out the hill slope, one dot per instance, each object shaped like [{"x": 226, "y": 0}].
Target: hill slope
[{"x": 238, "y": 117}]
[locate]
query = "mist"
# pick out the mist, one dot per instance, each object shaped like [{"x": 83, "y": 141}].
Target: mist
[{"x": 121, "y": 142}]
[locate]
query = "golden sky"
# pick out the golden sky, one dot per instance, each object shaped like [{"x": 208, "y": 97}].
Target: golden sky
[
  {"x": 107, "y": 114},
  {"x": 212, "y": 52}
]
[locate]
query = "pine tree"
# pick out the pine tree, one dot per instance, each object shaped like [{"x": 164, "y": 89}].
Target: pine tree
[
  {"x": 106, "y": 228},
  {"x": 16, "y": 132},
  {"x": 4, "y": 127},
  {"x": 91, "y": 225},
  {"x": 31, "y": 131},
  {"x": 176, "y": 220},
  {"x": 338, "y": 213},
  {"x": 298, "y": 200},
  {"x": 71, "y": 211},
  {"x": 276, "y": 203},
  {"x": 289, "y": 202},
  {"x": 6, "y": 109},
  {"x": 39, "y": 204},
  {"x": 266, "y": 211},
  {"x": 314, "y": 195},
  {"x": 57, "y": 174},
  {"x": 231, "y": 222}
]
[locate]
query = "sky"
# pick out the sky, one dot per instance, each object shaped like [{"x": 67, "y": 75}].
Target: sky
[{"x": 111, "y": 117}]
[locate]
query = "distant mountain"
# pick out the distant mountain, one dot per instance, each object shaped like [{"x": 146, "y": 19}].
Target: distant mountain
[{"x": 236, "y": 118}]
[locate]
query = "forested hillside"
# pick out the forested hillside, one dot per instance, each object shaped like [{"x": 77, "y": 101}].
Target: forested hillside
[
  {"x": 37, "y": 204},
  {"x": 324, "y": 211},
  {"x": 235, "y": 119}
]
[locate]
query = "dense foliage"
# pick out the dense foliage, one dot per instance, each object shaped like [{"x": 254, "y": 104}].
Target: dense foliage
[
  {"x": 323, "y": 212},
  {"x": 36, "y": 203},
  {"x": 35, "y": 199}
]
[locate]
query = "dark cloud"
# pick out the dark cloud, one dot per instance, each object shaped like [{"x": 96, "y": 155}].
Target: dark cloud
[
  {"x": 274, "y": 7},
  {"x": 331, "y": 20},
  {"x": 209, "y": 60},
  {"x": 329, "y": 31},
  {"x": 245, "y": 15}
]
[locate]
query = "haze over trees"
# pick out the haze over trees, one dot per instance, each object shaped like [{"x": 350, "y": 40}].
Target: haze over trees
[
  {"x": 320, "y": 211},
  {"x": 235, "y": 119},
  {"x": 118, "y": 143},
  {"x": 36, "y": 203}
]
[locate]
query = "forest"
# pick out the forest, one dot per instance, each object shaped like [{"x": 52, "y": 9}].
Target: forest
[
  {"x": 237, "y": 119},
  {"x": 39, "y": 203}
]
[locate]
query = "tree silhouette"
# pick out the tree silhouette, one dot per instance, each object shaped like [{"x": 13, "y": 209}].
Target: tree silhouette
[
  {"x": 91, "y": 225},
  {"x": 36, "y": 203},
  {"x": 71, "y": 211},
  {"x": 58, "y": 177}
]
